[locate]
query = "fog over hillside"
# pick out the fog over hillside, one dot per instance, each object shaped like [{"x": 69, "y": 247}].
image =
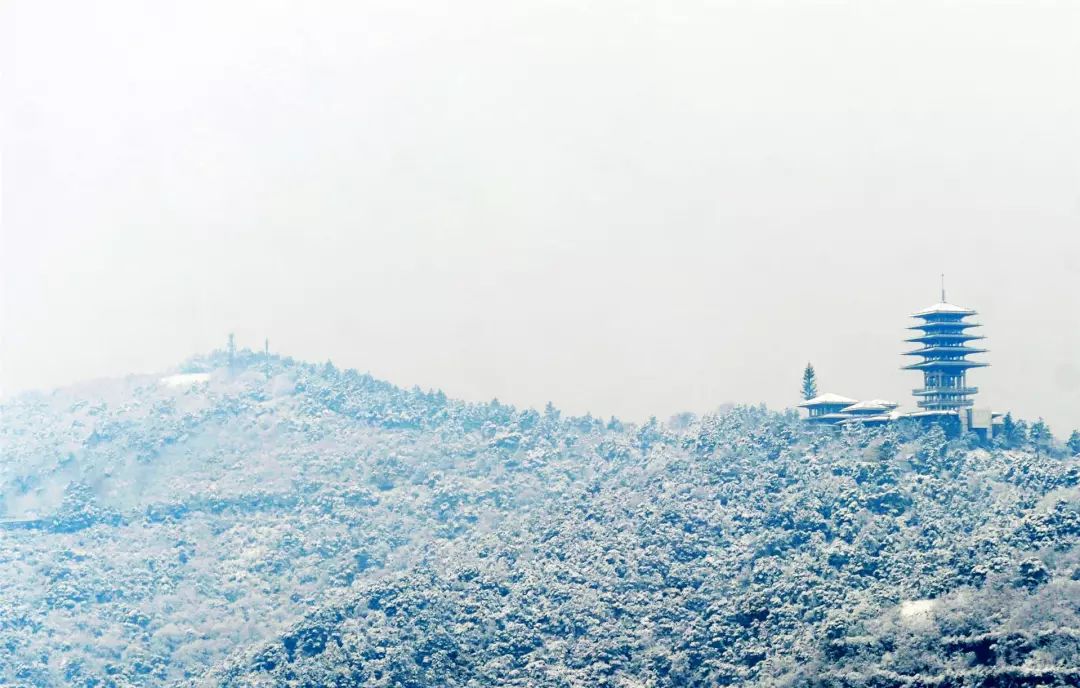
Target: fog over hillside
[
  {"x": 264, "y": 521},
  {"x": 628, "y": 207},
  {"x": 723, "y": 343}
]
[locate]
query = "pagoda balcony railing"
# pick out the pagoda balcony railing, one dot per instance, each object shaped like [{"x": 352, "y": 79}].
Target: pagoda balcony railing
[
  {"x": 941, "y": 405},
  {"x": 927, "y": 391}
]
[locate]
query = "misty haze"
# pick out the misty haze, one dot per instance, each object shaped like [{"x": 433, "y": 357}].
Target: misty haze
[{"x": 539, "y": 344}]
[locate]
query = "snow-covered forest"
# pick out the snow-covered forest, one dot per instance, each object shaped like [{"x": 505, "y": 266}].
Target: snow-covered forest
[{"x": 252, "y": 522}]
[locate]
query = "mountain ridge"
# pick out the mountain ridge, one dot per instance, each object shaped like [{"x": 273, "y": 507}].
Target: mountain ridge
[{"x": 321, "y": 527}]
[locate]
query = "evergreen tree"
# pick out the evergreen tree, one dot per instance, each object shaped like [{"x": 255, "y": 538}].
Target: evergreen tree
[
  {"x": 1041, "y": 437},
  {"x": 1074, "y": 442},
  {"x": 1022, "y": 436},
  {"x": 551, "y": 412},
  {"x": 809, "y": 382},
  {"x": 1014, "y": 433},
  {"x": 1008, "y": 429}
]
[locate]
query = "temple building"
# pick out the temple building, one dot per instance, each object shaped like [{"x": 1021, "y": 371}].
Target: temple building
[
  {"x": 827, "y": 408},
  {"x": 945, "y": 397},
  {"x": 833, "y": 409},
  {"x": 871, "y": 412},
  {"x": 946, "y": 344}
]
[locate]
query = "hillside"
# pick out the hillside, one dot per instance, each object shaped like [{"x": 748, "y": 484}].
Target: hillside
[{"x": 220, "y": 526}]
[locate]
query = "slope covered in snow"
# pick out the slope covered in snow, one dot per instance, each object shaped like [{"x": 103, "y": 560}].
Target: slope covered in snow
[{"x": 319, "y": 527}]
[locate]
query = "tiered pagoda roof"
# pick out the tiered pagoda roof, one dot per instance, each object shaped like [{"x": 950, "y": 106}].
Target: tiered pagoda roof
[
  {"x": 946, "y": 344},
  {"x": 943, "y": 308}
]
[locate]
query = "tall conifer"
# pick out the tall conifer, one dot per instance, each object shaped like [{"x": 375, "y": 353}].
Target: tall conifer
[{"x": 809, "y": 383}]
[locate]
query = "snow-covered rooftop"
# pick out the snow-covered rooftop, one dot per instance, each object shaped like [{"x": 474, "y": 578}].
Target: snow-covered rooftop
[
  {"x": 872, "y": 405},
  {"x": 943, "y": 308},
  {"x": 927, "y": 414},
  {"x": 827, "y": 399}
]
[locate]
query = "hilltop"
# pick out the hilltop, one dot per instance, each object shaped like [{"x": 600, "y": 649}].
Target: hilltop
[{"x": 221, "y": 524}]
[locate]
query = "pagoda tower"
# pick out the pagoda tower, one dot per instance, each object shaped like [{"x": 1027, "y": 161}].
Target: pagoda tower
[{"x": 946, "y": 344}]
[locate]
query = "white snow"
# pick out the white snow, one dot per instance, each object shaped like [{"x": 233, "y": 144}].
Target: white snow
[
  {"x": 184, "y": 379},
  {"x": 917, "y": 613},
  {"x": 943, "y": 308},
  {"x": 828, "y": 398},
  {"x": 872, "y": 404},
  {"x": 883, "y": 402}
]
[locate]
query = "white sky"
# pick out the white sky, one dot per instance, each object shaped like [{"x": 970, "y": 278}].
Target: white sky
[{"x": 627, "y": 208}]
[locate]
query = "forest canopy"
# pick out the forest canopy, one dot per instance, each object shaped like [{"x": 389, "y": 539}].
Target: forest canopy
[{"x": 250, "y": 521}]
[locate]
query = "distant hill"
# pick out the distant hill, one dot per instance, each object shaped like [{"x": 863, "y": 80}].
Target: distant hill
[{"x": 215, "y": 525}]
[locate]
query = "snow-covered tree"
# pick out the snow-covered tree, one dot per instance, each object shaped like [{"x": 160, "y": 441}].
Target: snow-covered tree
[
  {"x": 1041, "y": 437},
  {"x": 1014, "y": 433},
  {"x": 1074, "y": 442},
  {"x": 388, "y": 536}
]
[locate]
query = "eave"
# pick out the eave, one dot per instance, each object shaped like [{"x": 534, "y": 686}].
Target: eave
[
  {"x": 947, "y": 350},
  {"x": 945, "y": 365}
]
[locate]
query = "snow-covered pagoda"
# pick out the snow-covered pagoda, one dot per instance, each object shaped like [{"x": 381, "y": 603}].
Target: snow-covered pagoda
[
  {"x": 944, "y": 399},
  {"x": 946, "y": 345}
]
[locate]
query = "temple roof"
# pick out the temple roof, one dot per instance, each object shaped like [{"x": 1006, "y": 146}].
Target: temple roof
[
  {"x": 943, "y": 309},
  {"x": 827, "y": 399},
  {"x": 932, "y": 412},
  {"x": 944, "y": 337},
  {"x": 935, "y": 324},
  {"x": 871, "y": 405},
  {"x": 935, "y": 350},
  {"x": 945, "y": 364}
]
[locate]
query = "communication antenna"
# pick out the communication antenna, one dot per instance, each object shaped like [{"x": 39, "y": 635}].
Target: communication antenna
[
  {"x": 266, "y": 357},
  {"x": 232, "y": 350},
  {"x": 943, "y": 288}
]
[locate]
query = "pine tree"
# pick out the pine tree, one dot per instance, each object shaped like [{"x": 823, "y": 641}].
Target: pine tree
[
  {"x": 1014, "y": 433},
  {"x": 809, "y": 382},
  {"x": 1022, "y": 435},
  {"x": 1040, "y": 436},
  {"x": 1008, "y": 428},
  {"x": 551, "y": 412},
  {"x": 1074, "y": 442}
]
